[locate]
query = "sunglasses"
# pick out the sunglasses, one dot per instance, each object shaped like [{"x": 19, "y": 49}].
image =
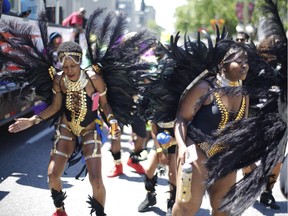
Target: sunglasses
[{"x": 240, "y": 40}]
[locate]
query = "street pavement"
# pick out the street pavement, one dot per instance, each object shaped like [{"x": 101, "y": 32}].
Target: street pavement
[{"x": 24, "y": 191}]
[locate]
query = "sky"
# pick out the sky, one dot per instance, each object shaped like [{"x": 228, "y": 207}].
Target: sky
[{"x": 165, "y": 10}]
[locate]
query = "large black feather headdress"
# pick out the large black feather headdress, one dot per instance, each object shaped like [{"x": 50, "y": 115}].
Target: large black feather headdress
[{"x": 116, "y": 54}]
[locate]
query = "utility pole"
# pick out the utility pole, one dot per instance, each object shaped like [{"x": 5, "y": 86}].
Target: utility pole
[
  {"x": 142, "y": 13},
  {"x": 245, "y": 13},
  {"x": 57, "y": 11}
]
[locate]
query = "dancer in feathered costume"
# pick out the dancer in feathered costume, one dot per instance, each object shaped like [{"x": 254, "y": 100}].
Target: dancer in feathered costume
[
  {"x": 115, "y": 55},
  {"x": 77, "y": 94},
  {"x": 211, "y": 113},
  {"x": 162, "y": 154},
  {"x": 273, "y": 48},
  {"x": 262, "y": 136}
]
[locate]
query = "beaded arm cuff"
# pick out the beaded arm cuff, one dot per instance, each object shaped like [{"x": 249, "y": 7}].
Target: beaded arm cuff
[
  {"x": 54, "y": 92},
  {"x": 103, "y": 93},
  {"x": 36, "y": 119}
]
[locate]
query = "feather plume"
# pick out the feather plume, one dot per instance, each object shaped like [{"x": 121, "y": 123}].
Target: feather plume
[
  {"x": 247, "y": 145},
  {"x": 118, "y": 55},
  {"x": 28, "y": 53},
  {"x": 273, "y": 23},
  {"x": 181, "y": 66}
]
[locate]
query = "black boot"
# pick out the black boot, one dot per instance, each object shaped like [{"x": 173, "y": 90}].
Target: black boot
[
  {"x": 95, "y": 207},
  {"x": 267, "y": 199},
  {"x": 171, "y": 201},
  {"x": 150, "y": 199}
]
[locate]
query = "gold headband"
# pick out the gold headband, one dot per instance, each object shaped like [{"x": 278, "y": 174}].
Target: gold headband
[
  {"x": 237, "y": 51},
  {"x": 66, "y": 54}
]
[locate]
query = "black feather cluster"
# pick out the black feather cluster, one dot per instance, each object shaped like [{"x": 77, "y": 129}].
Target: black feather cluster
[
  {"x": 176, "y": 70},
  {"x": 246, "y": 144},
  {"x": 118, "y": 54},
  {"x": 29, "y": 52}
]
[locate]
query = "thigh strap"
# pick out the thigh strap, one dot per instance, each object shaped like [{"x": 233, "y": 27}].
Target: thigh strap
[
  {"x": 95, "y": 142},
  {"x": 58, "y": 136}
]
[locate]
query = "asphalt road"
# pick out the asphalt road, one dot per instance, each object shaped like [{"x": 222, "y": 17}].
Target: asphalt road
[{"x": 24, "y": 191}]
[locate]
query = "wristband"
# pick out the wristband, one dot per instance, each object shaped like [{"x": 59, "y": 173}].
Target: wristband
[
  {"x": 159, "y": 150},
  {"x": 37, "y": 119},
  {"x": 109, "y": 117}
]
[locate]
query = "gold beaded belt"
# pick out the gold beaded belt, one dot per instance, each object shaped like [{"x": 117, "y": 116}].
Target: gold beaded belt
[{"x": 169, "y": 144}]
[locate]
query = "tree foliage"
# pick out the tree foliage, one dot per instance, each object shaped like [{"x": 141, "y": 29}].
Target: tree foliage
[{"x": 202, "y": 14}]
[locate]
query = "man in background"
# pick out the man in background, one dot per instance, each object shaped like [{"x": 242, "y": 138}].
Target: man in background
[{"x": 242, "y": 37}]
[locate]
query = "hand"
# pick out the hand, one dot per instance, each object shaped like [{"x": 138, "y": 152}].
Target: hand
[
  {"x": 20, "y": 124},
  {"x": 182, "y": 153},
  {"x": 117, "y": 133},
  {"x": 162, "y": 157}
]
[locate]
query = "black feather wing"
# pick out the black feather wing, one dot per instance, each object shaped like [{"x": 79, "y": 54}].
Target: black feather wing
[{"x": 117, "y": 54}]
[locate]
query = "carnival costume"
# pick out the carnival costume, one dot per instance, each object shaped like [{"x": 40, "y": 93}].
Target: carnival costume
[
  {"x": 112, "y": 56},
  {"x": 232, "y": 142},
  {"x": 260, "y": 136},
  {"x": 116, "y": 56}
]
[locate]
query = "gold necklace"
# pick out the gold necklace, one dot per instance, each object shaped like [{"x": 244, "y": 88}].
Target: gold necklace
[
  {"x": 224, "y": 112},
  {"x": 78, "y": 85},
  {"x": 76, "y": 102},
  {"x": 223, "y": 82}
]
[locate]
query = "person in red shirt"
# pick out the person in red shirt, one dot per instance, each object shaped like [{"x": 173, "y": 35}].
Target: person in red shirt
[{"x": 76, "y": 20}]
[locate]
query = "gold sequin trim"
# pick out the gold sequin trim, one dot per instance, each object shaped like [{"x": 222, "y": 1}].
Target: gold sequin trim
[
  {"x": 76, "y": 103},
  {"x": 78, "y": 85},
  {"x": 210, "y": 151},
  {"x": 52, "y": 72},
  {"x": 166, "y": 146}
]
